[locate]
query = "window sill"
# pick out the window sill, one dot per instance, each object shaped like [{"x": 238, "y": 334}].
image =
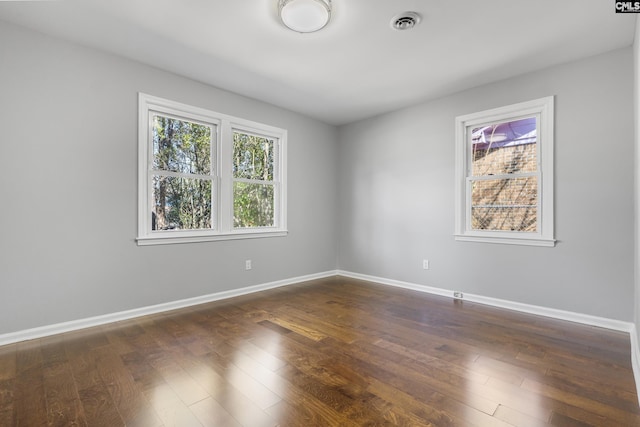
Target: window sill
[
  {"x": 171, "y": 240},
  {"x": 507, "y": 240}
]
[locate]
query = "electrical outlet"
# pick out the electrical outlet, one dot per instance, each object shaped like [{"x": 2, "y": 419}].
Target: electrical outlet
[
  {"x": 425, "y": 264},
  {"x": 247, "y": 264},
  {"x": 458, "y": 295}
]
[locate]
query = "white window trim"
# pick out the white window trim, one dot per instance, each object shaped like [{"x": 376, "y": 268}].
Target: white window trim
[
  {"x": 222, "y": 181},
  {"x": 542, "y": 109}
]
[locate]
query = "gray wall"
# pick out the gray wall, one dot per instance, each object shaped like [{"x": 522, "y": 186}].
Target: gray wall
[
  {"x": 396, "y": 198},
  {"x": 636, "y": 119},
  {"x": 68, "y": 173}
]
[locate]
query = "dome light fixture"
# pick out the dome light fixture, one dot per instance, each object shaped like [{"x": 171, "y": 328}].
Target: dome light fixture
[{"x": 304, "y": 16}]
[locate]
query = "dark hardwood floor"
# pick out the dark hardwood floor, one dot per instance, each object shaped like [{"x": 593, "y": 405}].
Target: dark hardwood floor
[{"x": 332, "y": 352}]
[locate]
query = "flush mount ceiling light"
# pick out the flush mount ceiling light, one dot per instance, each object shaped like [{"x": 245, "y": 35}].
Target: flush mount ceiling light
[
  {"x": 304, "y": 16},
  {"x": 405, "y": 21}
]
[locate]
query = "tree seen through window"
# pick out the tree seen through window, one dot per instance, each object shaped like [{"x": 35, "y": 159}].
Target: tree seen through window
[
  {"x": 181, "y": 175},
  {"x": 253, "y": 180}
]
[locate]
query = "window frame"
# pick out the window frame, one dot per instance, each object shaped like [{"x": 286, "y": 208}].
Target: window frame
[
  {"x": 543, "y": 110},
  {"x": 275, "y": 182},
  {"x": 221, "y": 173}
]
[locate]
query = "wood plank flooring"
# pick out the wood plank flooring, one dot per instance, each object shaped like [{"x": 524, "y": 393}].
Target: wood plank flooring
[{"x": 331, "y": 352}]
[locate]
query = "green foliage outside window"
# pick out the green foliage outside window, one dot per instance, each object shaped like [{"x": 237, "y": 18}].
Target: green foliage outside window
[
  {"x": 253, "y": 188},
  {"x": 181, "y": 147}
]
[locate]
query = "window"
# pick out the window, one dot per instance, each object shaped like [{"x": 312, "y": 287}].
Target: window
[
  {"x": 207, "y": 176},
  {"x": 504, "y": 175},
  {"x": 253, "y": 180}
]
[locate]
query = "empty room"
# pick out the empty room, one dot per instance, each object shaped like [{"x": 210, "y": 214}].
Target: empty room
[{"x": 319, "y": 213}]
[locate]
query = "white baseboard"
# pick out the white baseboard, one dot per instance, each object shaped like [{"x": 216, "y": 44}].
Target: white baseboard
[
  {"x": 635, "y": 358},
  {"x": 74, "y": 325},
  {"x": 585, "y": 319}
]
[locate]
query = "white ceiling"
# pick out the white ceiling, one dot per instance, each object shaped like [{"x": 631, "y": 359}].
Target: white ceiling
[{"x": 357, "y": 66}]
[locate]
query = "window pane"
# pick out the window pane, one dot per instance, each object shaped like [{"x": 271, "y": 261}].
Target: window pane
[
  {"x": 181, "y": 203},
  {"x": 505, "y": 204},
  {"x": 253, "y": 205},
  {"x": 504, "y": 148},
  {"x": 252, "y": 157},
  {"x": 181, "y": 146}
]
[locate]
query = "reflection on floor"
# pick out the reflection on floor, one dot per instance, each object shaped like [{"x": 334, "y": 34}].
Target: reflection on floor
[{"x": 332, "y": 352}]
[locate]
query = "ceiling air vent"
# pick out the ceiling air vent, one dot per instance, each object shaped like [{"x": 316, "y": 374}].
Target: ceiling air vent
[{"x": 405, "y": 21}]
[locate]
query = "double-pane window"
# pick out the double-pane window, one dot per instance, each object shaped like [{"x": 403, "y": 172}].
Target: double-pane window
[
  {"x": 504, "y": 176},
  {"x": 504, "y": 173},
  {"x": 207, "y": 176}
]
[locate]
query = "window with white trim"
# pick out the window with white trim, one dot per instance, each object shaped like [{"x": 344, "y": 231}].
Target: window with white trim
[
  {"x": 504, "y": 175},
  {"x": 207, "y": 176}
]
